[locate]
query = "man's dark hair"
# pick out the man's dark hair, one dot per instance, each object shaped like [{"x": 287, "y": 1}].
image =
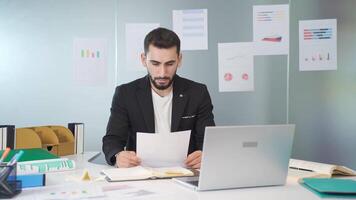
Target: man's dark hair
[{"x": 162, "y": 38}]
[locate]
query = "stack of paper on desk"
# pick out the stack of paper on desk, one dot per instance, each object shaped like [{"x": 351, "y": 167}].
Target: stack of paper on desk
[
  {"x": 163, "y": 149},
  {"x": 142, "y": 173}
]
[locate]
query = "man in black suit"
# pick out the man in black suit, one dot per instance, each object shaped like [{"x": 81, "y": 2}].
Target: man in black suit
[{"x": 160, "y": 102}]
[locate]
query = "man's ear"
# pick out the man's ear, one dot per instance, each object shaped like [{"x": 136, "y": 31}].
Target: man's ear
[
  {"x": 180, "y": 59},
  {"x": 143, "y": 59}
]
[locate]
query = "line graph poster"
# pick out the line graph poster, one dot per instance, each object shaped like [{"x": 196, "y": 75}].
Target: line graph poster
[
  {"x": 318, "y": 45},
  {"x": 271, "y": 29},
  {"x": 236, "y": 67}
]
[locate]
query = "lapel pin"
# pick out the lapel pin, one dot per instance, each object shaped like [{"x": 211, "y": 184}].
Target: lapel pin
[{"x": 181, "y": 95}]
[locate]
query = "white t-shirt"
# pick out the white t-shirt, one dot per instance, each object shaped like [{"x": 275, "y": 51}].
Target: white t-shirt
[{"x": 162, "y": 107}]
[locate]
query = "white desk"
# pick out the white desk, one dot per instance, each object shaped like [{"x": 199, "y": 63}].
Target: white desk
[{"x": 167, "y": 189}]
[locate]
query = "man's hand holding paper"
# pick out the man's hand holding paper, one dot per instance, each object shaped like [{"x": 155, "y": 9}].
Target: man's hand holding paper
[{"x": 163, "y": 149}]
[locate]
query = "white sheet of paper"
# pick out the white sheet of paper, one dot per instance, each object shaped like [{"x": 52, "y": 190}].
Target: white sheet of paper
[
  {"x": 131, "y": 191},
  {"x": 163, "y": 149},
  {"x": 192, "y": 28},
  {"x": 90, "y": 61},
  {"x": 135, "y": 35},
  {"x": 236, "y": 66},
  {"x": 271, "y": 29},
  {"x": 69, "y": 191},
  {"x": 318, "y": 45}
]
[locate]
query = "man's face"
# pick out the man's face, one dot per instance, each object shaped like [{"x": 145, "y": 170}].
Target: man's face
[{"x": 161, "y": 65}]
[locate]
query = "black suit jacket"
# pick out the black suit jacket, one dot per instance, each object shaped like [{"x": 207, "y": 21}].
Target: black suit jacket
[{"x": 132, "y": 112}]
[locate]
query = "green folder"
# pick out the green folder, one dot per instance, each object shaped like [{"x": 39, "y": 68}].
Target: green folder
[
  {"x": 331, "y": 187},
  {"x": 30, "y": 155}
]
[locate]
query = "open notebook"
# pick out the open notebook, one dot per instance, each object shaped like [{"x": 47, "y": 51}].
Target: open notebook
[
  {"x": 143, "y": 173},
  {"x": 302, "y": 169}
]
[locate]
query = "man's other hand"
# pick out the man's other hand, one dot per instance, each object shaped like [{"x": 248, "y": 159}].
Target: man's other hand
[
  {"x": 193, "y": 160},
  {"x": 126, "y": 159}
]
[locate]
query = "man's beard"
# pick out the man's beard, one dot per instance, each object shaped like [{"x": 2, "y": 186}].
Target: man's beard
[{"x": 158, "y": 86}]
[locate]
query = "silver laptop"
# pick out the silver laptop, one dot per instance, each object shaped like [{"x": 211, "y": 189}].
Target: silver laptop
[{"x": 243, "y": 156}]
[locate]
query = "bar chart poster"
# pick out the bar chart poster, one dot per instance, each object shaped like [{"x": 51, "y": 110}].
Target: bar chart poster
[
  {"x": 192, "y": 28},
  {"x": 236, "y": 67},
  {"x": 271, "y": 29},
  {"x": 90, "y": 61},
  {"x": 318, "y": 45}
]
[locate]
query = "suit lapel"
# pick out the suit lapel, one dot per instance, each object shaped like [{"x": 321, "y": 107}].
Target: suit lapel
[
  {"x": 178, "y": 103},
  {"x": 144, "y": 97}
]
